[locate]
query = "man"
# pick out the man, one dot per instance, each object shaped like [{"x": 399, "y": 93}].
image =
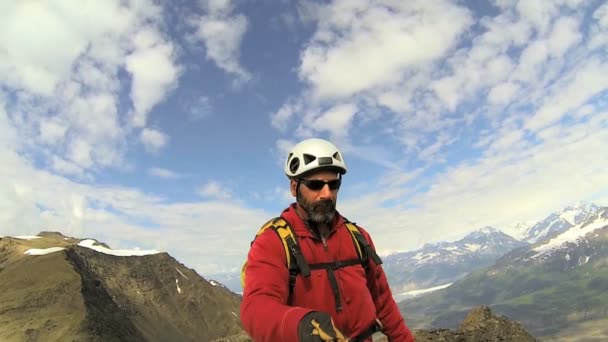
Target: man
[{"x": 339, "y": 300}]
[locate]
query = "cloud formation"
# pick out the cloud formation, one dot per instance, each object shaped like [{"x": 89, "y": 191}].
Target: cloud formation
[
  {"x": 222, "y": 32},
  {"x": 163, "y": 173},
  {"x": 153, "y": 139},
  {"x": 68, "y": 101}
]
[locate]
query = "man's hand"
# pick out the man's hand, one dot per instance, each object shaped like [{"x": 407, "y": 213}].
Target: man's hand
[{"x": 318, "y": 326}]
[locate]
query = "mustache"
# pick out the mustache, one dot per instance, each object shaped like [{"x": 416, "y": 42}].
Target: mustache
[{"x": 324, "y": 204}]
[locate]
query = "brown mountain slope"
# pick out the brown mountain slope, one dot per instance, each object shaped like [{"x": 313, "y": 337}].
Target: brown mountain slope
[{"x": 79, "y": 294}]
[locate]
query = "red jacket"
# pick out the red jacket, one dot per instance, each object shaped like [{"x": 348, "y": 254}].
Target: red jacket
[{"x": 265, "y": 314}]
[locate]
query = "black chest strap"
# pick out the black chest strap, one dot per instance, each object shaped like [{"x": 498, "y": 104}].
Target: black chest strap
[{"x": 331, "y": 267}]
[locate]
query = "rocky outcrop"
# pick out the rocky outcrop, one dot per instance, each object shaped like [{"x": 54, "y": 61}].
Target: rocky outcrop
[{"x": 479, "y": 326}]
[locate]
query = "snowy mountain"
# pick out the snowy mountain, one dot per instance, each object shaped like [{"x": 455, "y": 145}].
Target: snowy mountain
[
  {"x": 574, "y": 246},
  {"x": 555, "y": 223},
  {"x": 556, "y": 286},
  {"x": 435, "y": 266}
]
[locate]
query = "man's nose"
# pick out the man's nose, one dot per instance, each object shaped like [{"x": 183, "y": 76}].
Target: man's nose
[{"x": 325, "y": 191}]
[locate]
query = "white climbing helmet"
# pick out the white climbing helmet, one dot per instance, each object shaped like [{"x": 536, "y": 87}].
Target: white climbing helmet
[{"x": 314, "y": 154}]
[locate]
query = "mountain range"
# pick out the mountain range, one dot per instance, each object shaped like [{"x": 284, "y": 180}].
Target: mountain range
[
  {"x": 440, "y": 264},
  {"x": 436, "y": 266},
  {"x": 555, "y": 287}
]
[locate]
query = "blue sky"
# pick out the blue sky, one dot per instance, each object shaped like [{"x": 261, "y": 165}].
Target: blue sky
[{"x": 157, "y": 126}]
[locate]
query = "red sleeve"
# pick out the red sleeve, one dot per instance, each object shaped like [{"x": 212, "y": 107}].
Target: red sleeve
[
  {"x": 264, "y": 312},
  {"x": 387, "y": 310}
]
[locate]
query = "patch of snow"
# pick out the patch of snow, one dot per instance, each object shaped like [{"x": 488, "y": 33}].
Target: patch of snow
[
  {"x": 43, "y": 251},
  {"x": 214, "y": 283},
  {"x": 451, "y": 248},
  {"x": 421, "y": 256},
  {"x": 26, "y": 237},
  {"x": 118, "y": 252},
  {"x": 180, "y": 272},
  {"x": 569, "y": 216},
  {"x": 177, "y": 284},
  {"x": 567, "y": 256},
  {"x": 488, "y": 230},
  {"x": 415, "y": 293},
  {"x": 571, "y": 235},
  {"x": 587, "y": 259},
  {"x": 472, "y": 247}
]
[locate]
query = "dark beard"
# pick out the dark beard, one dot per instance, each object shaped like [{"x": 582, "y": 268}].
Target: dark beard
[{"x": 321, "y": 212}]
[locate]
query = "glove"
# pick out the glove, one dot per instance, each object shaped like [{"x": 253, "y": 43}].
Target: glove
[{"x": 318, "y": 326}]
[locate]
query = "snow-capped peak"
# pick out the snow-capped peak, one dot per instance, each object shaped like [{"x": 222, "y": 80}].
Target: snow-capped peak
[
  {"x": 593, "y": 222},
  {"x": 578, "y": 213},
  {"x": 488, "y": 230},
  {"x": 483, "y": 233},
  {"x": 556, "y": 223}
]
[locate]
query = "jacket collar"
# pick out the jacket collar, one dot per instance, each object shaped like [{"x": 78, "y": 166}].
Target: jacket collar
[{"x": 299, "y": 226}]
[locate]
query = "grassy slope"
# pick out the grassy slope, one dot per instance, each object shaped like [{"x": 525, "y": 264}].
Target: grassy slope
[{"x": 544, "y": 302}]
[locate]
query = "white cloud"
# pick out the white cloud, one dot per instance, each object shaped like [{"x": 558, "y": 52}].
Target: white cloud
[
  {"x": 8, "y": 136},
  {"x": 576, "y": 88},
  {"x": 502, "y": 93},
  {"x": 52, "y": 131},
  {"x": 564, "y": 36},
  {"x": 67, "y": 107},
  {"x": 163, "y": 173},
  {"x": 281, "y": 118},
  {"x": 215, "y": 190},
  {"x": 511, "y": 59},
  {"x": 65, "y": 167},
  {"x": 601, "y": 15},
  {"x": 153, "y": 70},
  {"x": 198, "y": 108},
  {"x": 361, "y": 45},
  {"x": 153, "y": 139},
  {"x": 335, "y": 120},
  {"x": 222, "y": 32}
]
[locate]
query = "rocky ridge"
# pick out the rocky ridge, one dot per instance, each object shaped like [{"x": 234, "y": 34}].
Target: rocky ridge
[{"x": 57, "y": 288}]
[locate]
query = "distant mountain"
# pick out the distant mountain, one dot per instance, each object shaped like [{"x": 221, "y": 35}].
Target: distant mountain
[
  {"x": 439, "y": 264},
  {"x": 556, "y": 288},
  {"x": 555, "y": 223},
  {"x": 58, "y": 288}
]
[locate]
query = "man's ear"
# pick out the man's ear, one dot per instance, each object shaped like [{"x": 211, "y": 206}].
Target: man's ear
[{"x": 293, "y": 187}]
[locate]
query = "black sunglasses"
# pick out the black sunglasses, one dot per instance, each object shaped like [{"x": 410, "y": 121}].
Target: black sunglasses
[{"x": 317, "y": 184}]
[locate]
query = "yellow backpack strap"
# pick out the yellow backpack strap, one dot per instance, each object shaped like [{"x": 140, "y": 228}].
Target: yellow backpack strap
[
  {"x": 295, "y": 259},
  {"x": 364, "y": 249},
  {"x": 268, "y": 224}
]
